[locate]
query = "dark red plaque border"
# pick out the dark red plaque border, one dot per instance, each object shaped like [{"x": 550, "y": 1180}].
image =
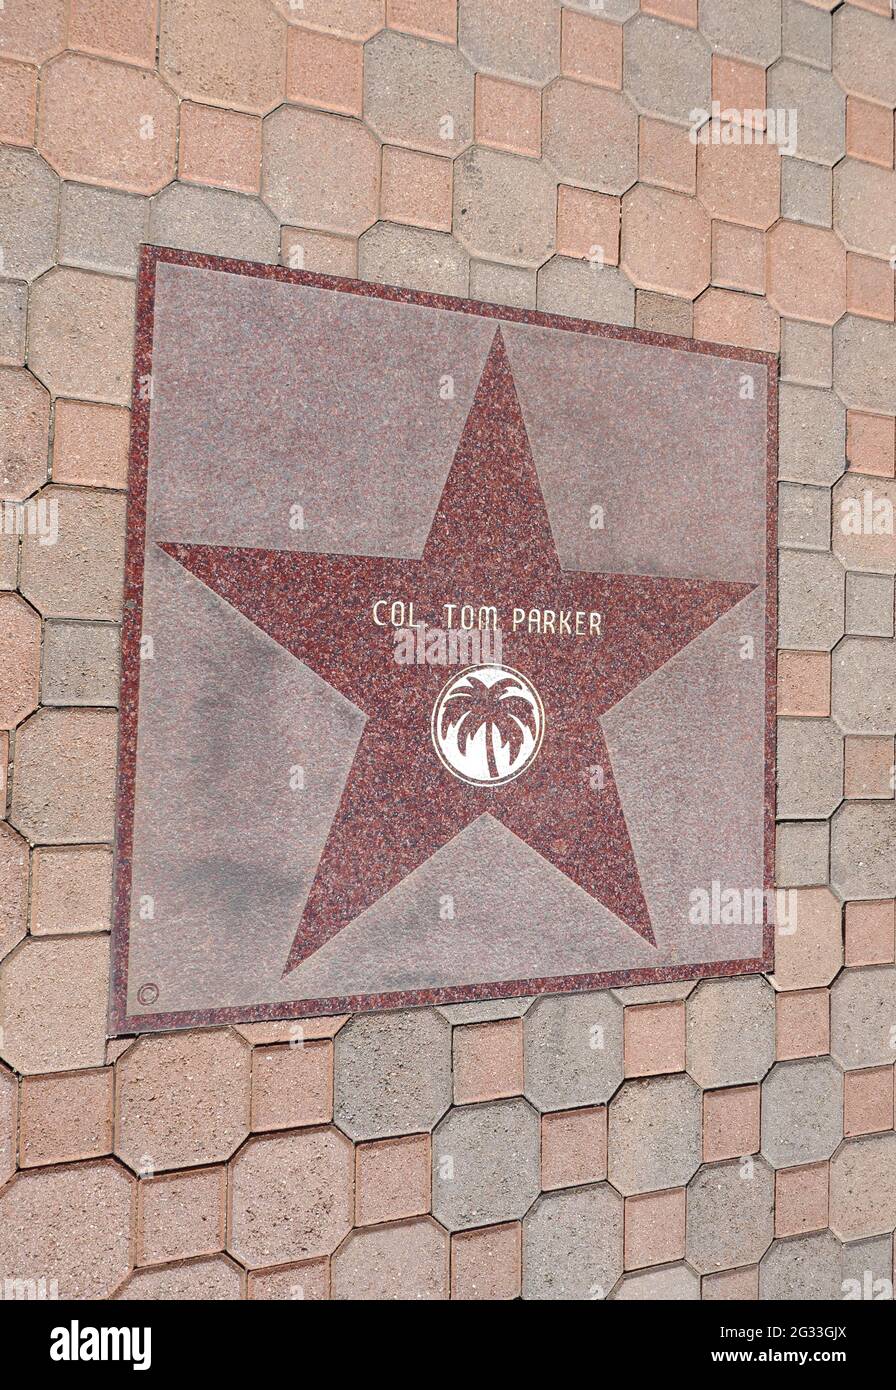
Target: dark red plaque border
[{"x": 120, "y": 1022}]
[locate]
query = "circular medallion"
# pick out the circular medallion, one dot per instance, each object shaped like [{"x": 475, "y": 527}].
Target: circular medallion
[{"x": 487, "y": 724}]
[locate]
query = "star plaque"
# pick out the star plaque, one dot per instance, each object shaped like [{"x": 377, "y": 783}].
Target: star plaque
[{"x": 447, "y": 652}]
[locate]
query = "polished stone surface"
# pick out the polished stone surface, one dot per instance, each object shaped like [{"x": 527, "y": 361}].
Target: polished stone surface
[{"x": 311, "y": 823}]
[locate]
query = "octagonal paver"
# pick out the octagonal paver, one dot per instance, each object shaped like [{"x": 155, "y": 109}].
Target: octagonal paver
[
  {"x": 740, "y": 183},
  {"x": 504, "y": 206},
  {"x": 414, "y": 257},
  {"x": 731, "y": 1031},
  {"x": 671, "y": 1284},
  {"x": 320, "y": 171},
  {"x": 485, "y": 1164},
  {"x": 805, "y": 524},
  {"x": 107, "y": 123},
  {"x": 81, "y": 334},
  {"x": 724, "y": 316},
  {"x": 861, "y": 518},
  {"x": 392, "y": 1073},
  {"x": 666, "y": 241},
  {"x": 865, "y": 363},
  {"x": 418, "y": 93},
  {"x": 291, "y": 1196},
  {"x": 586, "y": 290},
  {"x": 355, "y": 19},
  {"x": 811, "y": 955},
  {"x": 182, "y": 1099},
  {"x": 9, "y": 1087},
  {"x": 863, "y": 684},
  {"x": 821, "y": 106},
  {"x": 53, "y": 1000},
  {"x": 865, "y": 54},
  {"x": 227, "y": 52},
  {"x": 863, "y": 1017},
  {"x": 863, "y": 1187},
  {"x": 865, "y": 206},
  {"x": 802, "y": 1112},
  {"x": 71, "y": 1225},
  {"x": 181, "y": 1215},
  {"x": 407, "y": 1261},
  {"x": 869, "y": 1263},
  {"x": 13, "y": 299},
  {"x": 752, "y": 32},
  {"x": 655, "y": 1134},
  {"x": 213, "y": 1279},
  {"x": 810, "y": 768},
  {"x": 667, "y": 67},
  {"x": 804, "y": 513},
  {"x": 816, "y": 298},
  {"x": 24, "y": 432},
  {"x": 19, "y": 660},
  {"x": 573, "y": 1050},
  {"x": 806, "y": 192},
  {"x": 80, "y": 574},
  {"x": 862, "y": 837},
  {"x": 572, "y": 1244},
  {"x": 812, "y": 435},
  {"x": 516, "y": 41},
  {"x": 869, "y": 611},
  {"x": 216, "y": 221},
  {"x": 64, "y": 790},
  {"x": 306, "y": 1279},
  {"x": 802, "y": 851},
  {"x": 13, "y": 888},
  {"x": 126, "y": 31},
  {"x": 29, "y": 201},
  {"x": 485, "y": 1010},
  {"x": 730, "y": 1214},
  {"x": 590, "y": 136},
  {"x": 807, "y": 33},
  {"x": 808, "y": 1267},
  {"x": 611, "y": 9},
  {"x": 32, "y": 33}
]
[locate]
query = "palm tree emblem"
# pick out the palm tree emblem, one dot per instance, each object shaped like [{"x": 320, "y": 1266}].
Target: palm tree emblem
[{"x": 487, "y": 724}]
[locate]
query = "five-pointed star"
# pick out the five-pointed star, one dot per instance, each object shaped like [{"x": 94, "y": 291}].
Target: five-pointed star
[{"x": 490, "y": 544}]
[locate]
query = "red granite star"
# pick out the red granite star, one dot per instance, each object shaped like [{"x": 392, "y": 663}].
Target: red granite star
[{"x": 490, "y": 543}]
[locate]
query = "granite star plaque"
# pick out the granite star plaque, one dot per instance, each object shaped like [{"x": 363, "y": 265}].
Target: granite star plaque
[{"x": 448, "y": 652}]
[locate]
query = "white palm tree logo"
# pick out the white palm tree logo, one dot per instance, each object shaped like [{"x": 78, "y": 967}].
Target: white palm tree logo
[{"x": 487, "y": 724}]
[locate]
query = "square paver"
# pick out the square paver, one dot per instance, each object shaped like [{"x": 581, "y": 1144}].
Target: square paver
[{"x": 452, "y": 671}]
